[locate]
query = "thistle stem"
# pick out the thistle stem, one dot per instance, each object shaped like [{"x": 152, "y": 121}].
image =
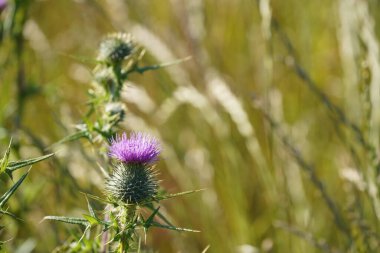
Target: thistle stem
[{"x": 127, "y": 216}]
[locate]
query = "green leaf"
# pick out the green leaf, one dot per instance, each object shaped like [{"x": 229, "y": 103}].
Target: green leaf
[
  {"x": 93, "y": 214},
  {"x": 169, "y": 196},
  {"x": 141, "y": 70},
  {"x": 149, "y": 221},
  {"x": 10, "y": 214},
  {"x": 90, "y": 209},
  {"x": 93, "y": 220},
  {"x": 72, "y": 137},
  {"x": 98, "y": 199},
  {"x": 69, "y": 220},
  {"x": 8, "y": 194},
  {"x": 156, "y": 224},
  {"x": 12, "y": 166},
  {"x": 159, "y": 214},
  {"x": 5, "y": 159}
]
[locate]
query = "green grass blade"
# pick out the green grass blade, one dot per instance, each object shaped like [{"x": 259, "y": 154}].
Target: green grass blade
[
  {"x": 8, "y": 194},
  {"x": 206, "y": 249}
]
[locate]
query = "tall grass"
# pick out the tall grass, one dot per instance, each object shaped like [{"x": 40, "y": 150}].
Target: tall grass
[{"x": 276, "y": 115}]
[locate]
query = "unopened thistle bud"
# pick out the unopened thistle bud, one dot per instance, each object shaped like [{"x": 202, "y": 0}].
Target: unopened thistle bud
[
  {"x": 115, "y": 109},
  {"x": 133, "y": 178},
  {"x": 106, "y": 78},
  {"x": 116, "y": 47}
]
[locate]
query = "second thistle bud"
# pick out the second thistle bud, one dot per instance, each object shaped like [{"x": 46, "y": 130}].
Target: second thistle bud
[
  {"x": 116, "y": 47},
  {"x": 116, "y": 110},
  {"x": 133, "y": 178}
]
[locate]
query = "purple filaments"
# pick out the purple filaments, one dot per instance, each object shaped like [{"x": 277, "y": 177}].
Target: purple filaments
[
  {"x": 3, "y": 4},
  {"x": 138, "y": 148}
]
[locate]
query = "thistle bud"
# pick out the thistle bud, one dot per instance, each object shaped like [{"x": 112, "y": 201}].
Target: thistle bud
[
  {"x": 106, "y": 78},
  {"x": 133, "y": 178},
  {"x": 115, "y": 109},
  {"x": 132, "y": 183},
  {"x": 116, "y": 47}
]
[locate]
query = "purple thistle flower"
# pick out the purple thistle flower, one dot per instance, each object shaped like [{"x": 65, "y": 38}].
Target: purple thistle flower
[
  {"x": 3, "y": 4},
  {"x": 138, "y": 148}
]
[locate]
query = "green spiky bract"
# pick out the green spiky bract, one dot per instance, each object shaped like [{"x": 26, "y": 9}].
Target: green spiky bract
[{"x": 132, "y": 183}]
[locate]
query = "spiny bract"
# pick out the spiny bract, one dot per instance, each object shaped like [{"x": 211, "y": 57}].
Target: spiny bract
[{"x": 132, "y": 183}]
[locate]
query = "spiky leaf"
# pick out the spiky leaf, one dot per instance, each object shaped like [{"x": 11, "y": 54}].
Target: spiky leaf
[
  {"x": 156, "y": 224},
  {"x": 159, "y": 214},
  {"x": 73, "y": 137},
  {"x": 98, "y": 198},
  {"x": 91, "y": 219},
  {"x": 9, "y": 214},
  {"x": 69, "y": 220},
  {"x": 169, "y": 196},
  {"x": 90, "y": 209},
  {"x": 149, "y": 221},
  {"x": 5, "y": 159},
  {"x": 9, "y": 193},
  {"x": 12, "y": 166}
]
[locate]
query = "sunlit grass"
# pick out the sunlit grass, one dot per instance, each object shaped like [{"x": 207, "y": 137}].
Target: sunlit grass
[{"x": 209, "y": 111}]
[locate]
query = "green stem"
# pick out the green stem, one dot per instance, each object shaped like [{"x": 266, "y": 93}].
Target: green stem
[
  {"x": 124, "y": 244},
  {"x": 119, "y": 80},
  {"x": 127, "y": 216}
]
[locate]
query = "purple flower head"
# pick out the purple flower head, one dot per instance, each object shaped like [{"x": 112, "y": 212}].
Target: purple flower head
[
  {"x": 138, "y": 148},
  {"x": 3, "y": 4}
]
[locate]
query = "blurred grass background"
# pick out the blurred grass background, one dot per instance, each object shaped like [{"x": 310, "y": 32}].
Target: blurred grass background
[{"x": 257, "y": 196}]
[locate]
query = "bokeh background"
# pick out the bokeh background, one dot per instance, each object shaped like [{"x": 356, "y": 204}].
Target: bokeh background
[{"x": 249, "y": 59}]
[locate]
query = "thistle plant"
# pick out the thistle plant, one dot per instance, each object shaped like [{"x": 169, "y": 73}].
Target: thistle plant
[
  {"x": 133, "y": 179},
  {"x": 130, "y": 183}
]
